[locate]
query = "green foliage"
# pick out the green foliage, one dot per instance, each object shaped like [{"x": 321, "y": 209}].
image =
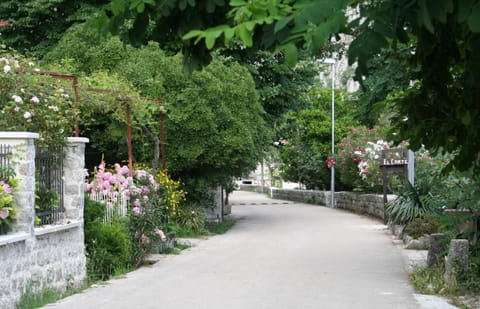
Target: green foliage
[
  {"x": 35, "y": 25},
  {"x": 8, "y": 207},
  {"x": 145, "y": 216},
  {"x": 389, "y": 74},
  {"x": 422, "y": 226},
  {"x": 215, "y": 129},
  {"x": 302, "y": 164},
  {"x": 428, "y": 280},
  {"x": 111, "y": 252},
  {"x": 438, "y": 109},
  {"x": 33, "y": 102},
  {"x": 357, "y": 158},
  {"x": 86, "y": 50},
  {"x": 32, "y": 299},
  {"x": 46, "y": 200},
  {"x": 163, "y": 21},
  {"x": 108, "y": 246},
  {"x": 414, "y": 202},
  {"x": 281, "y": 88},
  {"x": 191, "y": 217},
  {"x": 213, "y": 125},
  {"x": 221, "y": 227},
  {"x": 308, "y": 132},
  {"x": 442, "y": 38}
]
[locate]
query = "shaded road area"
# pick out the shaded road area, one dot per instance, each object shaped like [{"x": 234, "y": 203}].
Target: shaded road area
[{"x": 278, "y": 255}]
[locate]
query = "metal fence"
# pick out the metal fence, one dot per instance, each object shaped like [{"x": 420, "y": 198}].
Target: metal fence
[
  {"x": 5, "y": 163},
  {"x": 49, "y": 207},
  {"x": 115, "y": 204}
]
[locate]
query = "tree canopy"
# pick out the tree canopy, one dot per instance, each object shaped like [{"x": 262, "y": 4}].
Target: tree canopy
[
  {"x": 33, "y": 26},
  {"x": 438, "y": 111}
]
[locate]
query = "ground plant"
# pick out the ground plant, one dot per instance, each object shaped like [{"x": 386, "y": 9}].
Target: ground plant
[
  {"x": 8, "y": 207},
  {"x": 151, "y": 204},
  {"x": 108, "y": 246},
  {"x": 357, "y": 158},
  {"x": 33, "y": 102},
  {"x": 413, "y": 202}
]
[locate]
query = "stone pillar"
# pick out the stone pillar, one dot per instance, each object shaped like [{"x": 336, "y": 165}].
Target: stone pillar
[
  {"x": 74, "y": 177},
  {"x": 24, "y": 159},
  {"x": 456, "y": 260},
  {"x": 436, "y": 249}
]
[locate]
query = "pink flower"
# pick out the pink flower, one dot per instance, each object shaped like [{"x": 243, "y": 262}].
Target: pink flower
[
  {"x": 17, "y": 99},
  {"x": 137, "y": 210},
  {"x": 35, "y": 100},
  {"x": 136, "y": 203},
  {"x": 144, "y": 239},
  {"x": 141, "y": 174},
  {"x": 113, "y": 180},
  {"x": 101, "y": 166},
  {"x": 124, "y": 170},
  {"x": 106, "y": 176},
  {"x": 106, "y": 185},
  {"x": 160, "y": 234},
  {"x": 7, "y": 188},
  {"x": 4, "y": 213},
  {"x": 88, "y": 187}
]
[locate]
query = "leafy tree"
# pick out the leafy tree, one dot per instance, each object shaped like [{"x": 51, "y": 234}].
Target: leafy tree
[
  {"x": 443, "y": 35},
  {"x": 35, "y": 25},
  {"x": 215, "y": 129},
  {"x": 214, "y": 124},
  {"x": 86, "y": 51},
  {"x": 308, "y": 132},
  {"x": 281, "y": 87}
]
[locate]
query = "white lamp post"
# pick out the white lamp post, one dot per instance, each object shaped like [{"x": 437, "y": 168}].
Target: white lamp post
[{"x": 332, "y": 170}]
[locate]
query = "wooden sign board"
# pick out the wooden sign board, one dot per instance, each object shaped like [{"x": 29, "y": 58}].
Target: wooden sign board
[{"x": 392, "y": 161}]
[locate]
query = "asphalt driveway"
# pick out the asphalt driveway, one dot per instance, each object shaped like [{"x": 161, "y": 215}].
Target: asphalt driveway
[{"x": 279, "y": 255}]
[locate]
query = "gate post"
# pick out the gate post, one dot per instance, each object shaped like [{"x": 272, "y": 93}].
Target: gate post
[{"x": 74, "y": 177}]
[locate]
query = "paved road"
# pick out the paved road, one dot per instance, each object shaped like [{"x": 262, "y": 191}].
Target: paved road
[{"x": 278, "y": 256}]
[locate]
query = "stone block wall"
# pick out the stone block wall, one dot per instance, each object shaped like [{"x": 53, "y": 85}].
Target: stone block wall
[
  {"x": 302, "y": 196},
  {"x": 370, "y": 204},
  {"x": 52, "y": 256}
]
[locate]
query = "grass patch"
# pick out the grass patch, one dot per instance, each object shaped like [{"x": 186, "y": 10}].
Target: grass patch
[
  {"x": 220, "y": 227},
  {"x": 176, "y": 250},
  {"x": 32, "y": 300},
  {"x": 428, "y": 280}
]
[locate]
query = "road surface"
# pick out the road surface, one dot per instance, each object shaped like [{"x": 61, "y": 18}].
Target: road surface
[{"x": 278, "y": 255}]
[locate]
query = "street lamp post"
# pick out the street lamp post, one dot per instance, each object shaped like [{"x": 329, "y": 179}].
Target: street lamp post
[{"x": 332, "y": 170}]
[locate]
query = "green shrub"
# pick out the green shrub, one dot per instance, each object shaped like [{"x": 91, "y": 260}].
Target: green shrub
[
  {"x": 421, "y": 226},
  {"x": 108, "y": 246},
  {"x": 191, "y": 217},
  {"x": 413, "y": 202},
  {"x": 110, "y": 252}
]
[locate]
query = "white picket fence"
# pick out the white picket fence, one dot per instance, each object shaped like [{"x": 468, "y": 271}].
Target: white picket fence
[{"x": 115, "y": 204}]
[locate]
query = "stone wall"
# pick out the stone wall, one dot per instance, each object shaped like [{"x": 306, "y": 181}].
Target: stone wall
[
  {"x": 52, "y": 256},
  {"x": 370, "y": 204}
]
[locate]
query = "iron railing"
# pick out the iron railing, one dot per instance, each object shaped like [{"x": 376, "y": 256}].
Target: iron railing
[
  {"x": 5, "y": 162},
  {"x": 49, "y": 208}
]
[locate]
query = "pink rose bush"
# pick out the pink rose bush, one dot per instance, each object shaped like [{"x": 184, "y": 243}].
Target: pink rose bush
[
  {"x": 145, "y": 200},
  {"x": 33, "y": 102},
  {"x": 357, "y": 159},
  {"x": 7, "y": 205}
]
